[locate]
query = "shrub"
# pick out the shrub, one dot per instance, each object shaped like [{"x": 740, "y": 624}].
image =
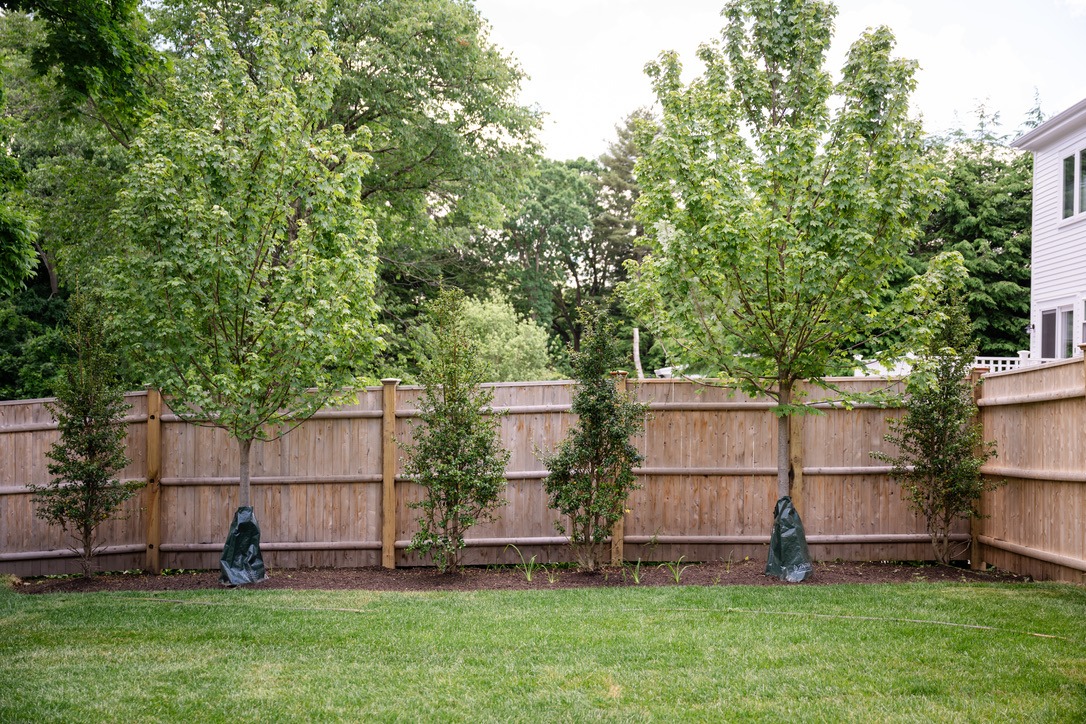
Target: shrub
[
  {"x": 89, "y": 409},
  {"x": 939, "y": 439},
  {"x": 456, "y": 455},
  {"x": 591, "y": 474}
]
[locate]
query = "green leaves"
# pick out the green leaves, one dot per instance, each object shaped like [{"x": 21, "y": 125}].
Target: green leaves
[
  {"x": 248, "y": 285},
  {"x": 940, "y": 442},
  {"x": 89, "y": 410},
  {"x": 456, "y": 455},
  {"x": 591, "y": 473},
  {"x": 777, "y": 223}
]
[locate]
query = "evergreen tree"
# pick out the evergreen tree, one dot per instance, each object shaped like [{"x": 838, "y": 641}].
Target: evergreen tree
[
  {"x": 89, "y": 409},
  {"x": 591, "y": 473},
  {"x": 456, "y": 455},
  {"x": 939, "y": 438}
]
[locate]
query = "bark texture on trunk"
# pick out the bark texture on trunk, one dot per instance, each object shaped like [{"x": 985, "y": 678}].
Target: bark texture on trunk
[
  {"x": 244, "y": 497},
  {"x": 784, "y": 445}
]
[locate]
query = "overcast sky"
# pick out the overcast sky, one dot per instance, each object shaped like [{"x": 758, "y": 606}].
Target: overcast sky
[{"x": 586, "y": 57}]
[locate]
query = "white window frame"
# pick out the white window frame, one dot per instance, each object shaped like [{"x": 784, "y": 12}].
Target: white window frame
[
  {"x": 1063, "y": 345},
  {"x": 1078, "y": 184}
]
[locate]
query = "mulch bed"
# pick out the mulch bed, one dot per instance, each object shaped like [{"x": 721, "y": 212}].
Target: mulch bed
[{"x": 510, "y": 578}]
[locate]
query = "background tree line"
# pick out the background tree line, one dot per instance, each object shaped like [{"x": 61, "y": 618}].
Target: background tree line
[{"x": 457, "y": 189}]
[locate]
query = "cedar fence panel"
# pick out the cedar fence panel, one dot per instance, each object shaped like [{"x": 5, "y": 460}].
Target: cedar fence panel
[
  {"x": 708, "y": 482},
  {"x": 1035, "y": 523}
]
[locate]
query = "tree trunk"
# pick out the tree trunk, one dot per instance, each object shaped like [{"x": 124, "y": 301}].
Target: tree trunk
[
  {"x": 784, "y": 444},
  {"x": 244, "y": 498}
]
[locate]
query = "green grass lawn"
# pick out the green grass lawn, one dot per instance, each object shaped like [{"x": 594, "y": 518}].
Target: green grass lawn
[{"x": 811, "y": 653}]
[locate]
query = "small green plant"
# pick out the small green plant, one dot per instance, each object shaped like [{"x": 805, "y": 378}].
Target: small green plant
[
  {"x": 675, "y": 569},
  {"x": 552, "y": 574},
  {"x": 591, "y": 473},
  {"x": 526, "y": 567},
  {"x": 940, "y": 443},
  {"x": 457, "y": 456},
  {"x": 84, "y": 491},
  {"x": 635, "y": 572}
]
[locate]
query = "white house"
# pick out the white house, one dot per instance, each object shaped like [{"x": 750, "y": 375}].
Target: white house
[{"x": 1058, "y": 297}]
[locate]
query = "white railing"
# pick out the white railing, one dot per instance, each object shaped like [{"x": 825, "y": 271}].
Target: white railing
[{"x": 1002, "y": 364}]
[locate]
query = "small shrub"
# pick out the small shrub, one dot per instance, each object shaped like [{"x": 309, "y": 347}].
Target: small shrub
[
  {"x": 89, "y": 409},
  {"x": 591, "y": 474},
  {"x": 940, "y": 441},
  {"x": 456, "y": 456}
]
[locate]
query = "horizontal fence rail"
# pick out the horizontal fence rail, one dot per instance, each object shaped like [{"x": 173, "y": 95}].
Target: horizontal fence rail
[{"x": 333, "y": 491}]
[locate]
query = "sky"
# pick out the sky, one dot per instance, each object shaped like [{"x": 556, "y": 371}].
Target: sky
[{"x": 586, "y": 58}]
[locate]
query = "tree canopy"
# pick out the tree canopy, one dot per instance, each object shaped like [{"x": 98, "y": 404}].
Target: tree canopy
[
  {"x": 777, "y": 216},
  {"x": 247, "y": 281}
]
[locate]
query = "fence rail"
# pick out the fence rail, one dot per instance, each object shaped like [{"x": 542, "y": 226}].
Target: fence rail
[{"x": 333, "y": 493}]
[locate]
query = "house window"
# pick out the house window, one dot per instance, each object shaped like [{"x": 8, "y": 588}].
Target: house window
[
  {"x": 1074, "y": 184},
  {"x": 1068, "y": 186},
  {"x": 1058, "y": 333},
  {"x": 1067, "y": 332}
]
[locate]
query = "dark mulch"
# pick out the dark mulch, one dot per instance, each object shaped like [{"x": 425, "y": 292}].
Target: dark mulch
[{"x": 513, "y": 578}]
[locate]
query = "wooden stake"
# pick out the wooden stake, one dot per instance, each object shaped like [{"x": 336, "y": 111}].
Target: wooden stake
[
  {"x": 976, "y": 525},
  {"x": 618, "y": 529},
  {"x": 388, "y": 474},
  {"x": 154, "y": 477}
]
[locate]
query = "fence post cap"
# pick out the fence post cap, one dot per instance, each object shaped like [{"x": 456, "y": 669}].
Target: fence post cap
[{"x": 390, "y": 381}]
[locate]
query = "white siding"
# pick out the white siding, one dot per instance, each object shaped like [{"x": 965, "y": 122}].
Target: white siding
[{"x": 1059, "y": 245}]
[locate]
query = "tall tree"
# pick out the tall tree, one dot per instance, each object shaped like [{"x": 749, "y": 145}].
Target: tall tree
[
  {"x": 99, "y": 53},
  {"x": 985, "y": 213},
  {"x": 545, "y": 238},
  {"x": 776, "y": 222},
  {"x": 430, "y": 96},
  {"x": 248, "y": 285}
]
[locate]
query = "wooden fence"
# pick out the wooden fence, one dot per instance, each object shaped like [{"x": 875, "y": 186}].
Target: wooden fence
[
  {"x": 1036, "y": 523},
  {"x": 330, "y": 492}
]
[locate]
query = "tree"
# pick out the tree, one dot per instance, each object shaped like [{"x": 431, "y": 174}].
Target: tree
[
  {"x": 940, "y": 441},
  {"x": 17, "y": 254},
  {"x": 985, "y": 213},
  {"x": 591, "y": 473},
  {"x": 776, "y": 223},
  {"x": 248, "y": 283},
  {"x": 100, "y": 55},
  {"x": 430, "y": 97},
  {"x": 90, "y": 410},
  {"x": 511, "y": 349},
  {"x": 456, "y": 455}
]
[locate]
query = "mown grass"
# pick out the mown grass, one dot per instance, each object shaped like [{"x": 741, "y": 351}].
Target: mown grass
[{"x": 655, "y": 654}]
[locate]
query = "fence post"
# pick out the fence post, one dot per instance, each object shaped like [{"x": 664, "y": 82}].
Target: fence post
[
  {"x": 618, "y": 529},
  {"x": 154, "y": 476},
  {"x": 388, "y": 473},
  {"x": 975, "y": 525}
]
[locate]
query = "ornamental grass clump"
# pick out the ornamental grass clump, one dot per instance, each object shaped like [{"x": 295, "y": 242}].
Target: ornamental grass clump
[
  {"x": 457, "y": 455},
  {"x": 591, "y": 473}
]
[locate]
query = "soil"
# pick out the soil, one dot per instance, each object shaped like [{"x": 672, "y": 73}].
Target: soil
[{"x": 512, "y": 578}]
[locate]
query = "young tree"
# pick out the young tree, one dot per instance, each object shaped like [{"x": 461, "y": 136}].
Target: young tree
[
  {"x": 456, "y": 455},
  {"x": 591, "y": 473},
  {"x": 424, "y": 90},
  {"x": 940, "y": 442},
  {"x": 248, "y": 283},
  {"x": 777, "y": 222},
  {"x": 89, "y": 409}
]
